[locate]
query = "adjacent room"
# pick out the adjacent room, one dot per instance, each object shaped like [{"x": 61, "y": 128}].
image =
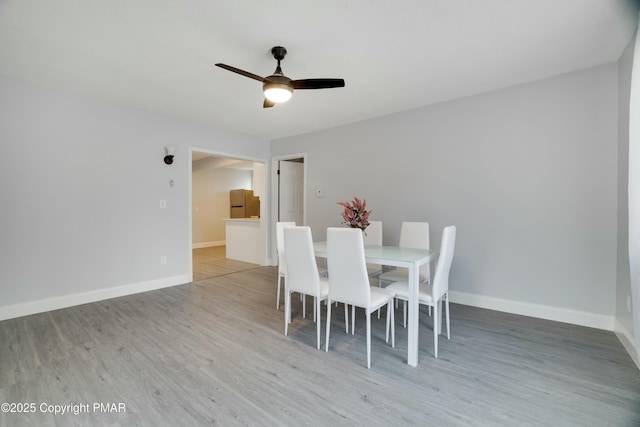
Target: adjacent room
[
  {"x": 218, "y": 214},
  {"x": 470, "y": 168}
]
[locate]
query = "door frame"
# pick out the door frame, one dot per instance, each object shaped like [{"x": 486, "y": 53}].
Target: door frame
[
  {"x": 264, "y": 223},
  {"x": 275, "y": 196}
]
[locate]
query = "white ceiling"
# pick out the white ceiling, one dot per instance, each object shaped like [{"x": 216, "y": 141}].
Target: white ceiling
[{"x": 159, "y": 55}]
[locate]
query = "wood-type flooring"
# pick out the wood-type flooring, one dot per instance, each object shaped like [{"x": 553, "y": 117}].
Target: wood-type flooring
[{"x": 213, "y": 352}]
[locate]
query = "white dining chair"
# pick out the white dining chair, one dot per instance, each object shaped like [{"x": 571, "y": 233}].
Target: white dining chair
[
  {"x": 282, "y": 267},
  {"x": 302, "y": 274},
  {"x": 412, "y": 235},
  {"x": 349, "y": 281},
  {"x": 433, "y": 294}
]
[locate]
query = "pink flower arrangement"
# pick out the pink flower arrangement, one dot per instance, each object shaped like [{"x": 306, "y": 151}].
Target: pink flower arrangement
[{"x": 355, "y": 214}]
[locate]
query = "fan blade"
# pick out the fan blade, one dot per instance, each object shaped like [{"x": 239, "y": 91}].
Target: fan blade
[
  {"x": 317, "y": 83},
  {"x": 241, "y": 72},
  {"x": 267, "y": 103}
]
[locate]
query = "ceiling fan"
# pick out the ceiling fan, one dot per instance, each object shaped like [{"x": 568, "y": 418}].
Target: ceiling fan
[{"x": 278, "y": 87}]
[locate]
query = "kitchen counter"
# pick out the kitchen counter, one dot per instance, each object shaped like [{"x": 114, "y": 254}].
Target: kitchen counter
[{"x": 245, "y": 240}]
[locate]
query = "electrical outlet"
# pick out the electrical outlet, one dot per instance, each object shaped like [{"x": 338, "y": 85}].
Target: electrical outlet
[{"x": 163, "y": 260}]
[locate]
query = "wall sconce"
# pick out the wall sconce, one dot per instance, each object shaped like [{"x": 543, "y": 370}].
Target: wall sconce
[{"x": 171, "y": 151}]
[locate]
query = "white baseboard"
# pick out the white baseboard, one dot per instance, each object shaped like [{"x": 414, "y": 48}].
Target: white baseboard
[
  {"x": 627, "y": 340},
  {"x": 558, "y": 314},
  {"x": 56, "y": 303},
  {"x": 208, "y": 244}
]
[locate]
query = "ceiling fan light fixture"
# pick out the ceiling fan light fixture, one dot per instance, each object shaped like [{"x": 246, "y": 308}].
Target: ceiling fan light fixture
[
  {"x": 277, "y": 87},
  {"x": 277, "y": 92}
]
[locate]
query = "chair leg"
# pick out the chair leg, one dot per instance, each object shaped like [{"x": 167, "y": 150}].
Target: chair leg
[
  {"x": 287, "y": 310},
  {"x": 447, "y": 315},
  {"x": 326, "y": 348},
  {"x": 303, "y": 297},
  {"x": 440, "y": 320},
  {"x": 379, "y": 285},
  {"x": 404, "y": 309},
  {"x": 435, "y": 330},
  {"x": 368, "y": 339},
  {"x": 353, "y": 319},
  {"x": 386, "y": 335},
  {"x": 393, "y": 324},
  {"x": 346, "y": 319},
  {"x": 278, "y": 293},
  {"x": 316, "y": 307}
]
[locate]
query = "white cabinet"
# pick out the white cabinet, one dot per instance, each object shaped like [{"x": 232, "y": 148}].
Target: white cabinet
[{"x": 245, "y": 241}]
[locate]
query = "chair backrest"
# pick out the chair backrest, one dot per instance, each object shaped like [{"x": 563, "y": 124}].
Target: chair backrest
[
  {"x": 280, "y": 226},
  {"x": 441, "y": 277},
  {"x": 348, "y": 278},
  {"x": 302, "y": 270},
  {"x": 373, "y": 234},
  {"x": 416, "y": 235}
]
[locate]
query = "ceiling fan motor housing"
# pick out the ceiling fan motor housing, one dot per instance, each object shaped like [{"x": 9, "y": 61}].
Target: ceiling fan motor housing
[
  {"x": 277, "y": 80},
  {"x": 278, "y": 52}
]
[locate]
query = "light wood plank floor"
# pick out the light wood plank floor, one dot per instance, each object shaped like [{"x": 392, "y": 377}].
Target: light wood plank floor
[
  {"x": 212, "y": 261},
  {"x": 214, "y": 353}
]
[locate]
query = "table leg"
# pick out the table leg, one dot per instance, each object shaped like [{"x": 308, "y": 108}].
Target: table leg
[{"x": 414, "y": 307}]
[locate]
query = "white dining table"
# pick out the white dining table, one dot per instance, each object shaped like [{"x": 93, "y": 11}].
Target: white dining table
[{"x": 396, "y": 256}]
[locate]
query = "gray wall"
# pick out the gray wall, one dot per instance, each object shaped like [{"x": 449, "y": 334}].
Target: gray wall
[
  {"x": 81, "y": 187},
  {"x": 528, "y": 174},
  {"x": 623, "y": 288}
]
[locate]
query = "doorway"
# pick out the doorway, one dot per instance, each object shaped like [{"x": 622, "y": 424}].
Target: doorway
[
  {"x": 211, "y": 177},
  {"x": 291, "y": 190},
  {"x": 288, "y": 193}
]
